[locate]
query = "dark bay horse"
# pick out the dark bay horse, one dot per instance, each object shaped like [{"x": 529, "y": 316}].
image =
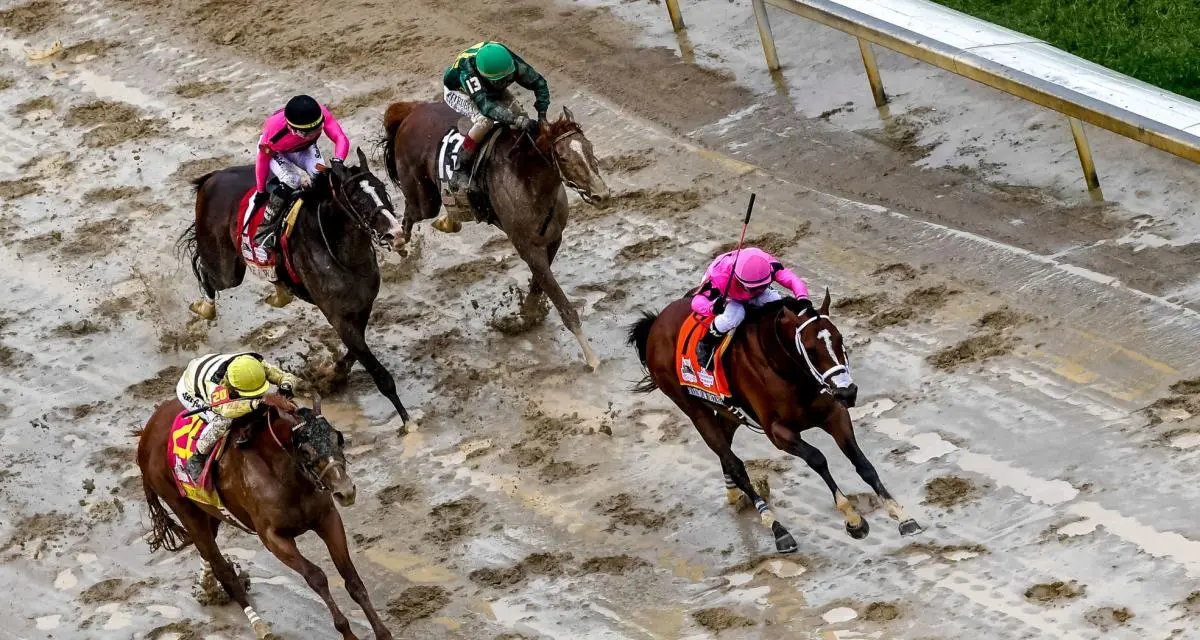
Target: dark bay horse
[
  {"x": 524, "y": 180},
  {"x": 281, "y": 484},
  {"x": 346, "y": 214},
  {"x": 787, "y": 368}
]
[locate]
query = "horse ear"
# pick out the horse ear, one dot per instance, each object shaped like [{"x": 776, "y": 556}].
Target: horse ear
[
  {"x": 567, "y": 112},
  {"x": 825, "y": 303},
  {"x": 316, "y": 397},
  {"x": 362, "y": 159}
]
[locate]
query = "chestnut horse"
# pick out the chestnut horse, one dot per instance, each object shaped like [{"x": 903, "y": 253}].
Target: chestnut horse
[
  {"x": 346, "y": 214},
  {"x": 524, "y": 181},
  {"x": 279, "y": 485},
  {"x": 788, "y": 372}
]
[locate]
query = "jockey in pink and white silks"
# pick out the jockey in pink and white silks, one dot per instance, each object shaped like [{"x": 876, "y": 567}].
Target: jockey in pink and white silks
[
  {"x": 288, "y": 151},
  {"x": 748, "y": 282}
]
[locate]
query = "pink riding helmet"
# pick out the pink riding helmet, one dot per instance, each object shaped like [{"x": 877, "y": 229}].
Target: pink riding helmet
[{"x": 753, "y": 271}]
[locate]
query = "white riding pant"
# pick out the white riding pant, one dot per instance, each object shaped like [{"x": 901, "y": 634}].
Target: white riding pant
[
  {"x": 215, "y": 425},
  {"x": 464, "y": 105},
  {"x": 297, "y": 168},
  {"x": 734, "y": 311}
]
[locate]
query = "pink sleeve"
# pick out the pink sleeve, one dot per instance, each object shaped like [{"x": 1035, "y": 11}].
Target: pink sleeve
[
  {"x": 792, "y": 281},
  {"x": 341, "y": 144},
  {"x": 702, "y": 305},
  {"x": 262, "y": 169}
]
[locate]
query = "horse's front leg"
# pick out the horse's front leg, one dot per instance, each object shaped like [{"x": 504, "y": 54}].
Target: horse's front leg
[
  {"x": 841, "y": 428},
  {"x": 284, "y": 548},
  {"x": 333, "y": 533},
  {"x": 786, "y": 438}
]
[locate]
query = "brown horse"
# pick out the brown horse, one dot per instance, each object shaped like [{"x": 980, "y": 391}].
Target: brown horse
[
  {"x": 278, "y": 485},
  {"x": 524, "y": 181},
  {"x": 346, "y": 213},
  {"x": 788, "y": 372}
]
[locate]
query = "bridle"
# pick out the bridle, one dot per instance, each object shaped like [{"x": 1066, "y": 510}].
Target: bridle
[
  {"x": 553, "y": 160},
  {"x": 342, "y": 200},
  {"x": 318, "y": 479},
  {"x": 821, "y": 377}
]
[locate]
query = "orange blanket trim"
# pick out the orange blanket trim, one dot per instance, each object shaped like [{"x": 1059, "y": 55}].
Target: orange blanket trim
[{"x": 708, "y": 385}]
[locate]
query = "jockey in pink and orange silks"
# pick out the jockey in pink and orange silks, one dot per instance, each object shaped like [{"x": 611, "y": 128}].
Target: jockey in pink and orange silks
[
  {"x": 748, "y": 283},
  {"x": 288, "y": 150}
]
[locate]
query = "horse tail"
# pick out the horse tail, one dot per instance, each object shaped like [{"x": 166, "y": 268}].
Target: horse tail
[
  {"x": 392, "y": 119},
  {"x": 187, "y": 247},
  {"x": 164, "y": 533},
  {"x": 639, "y": 337}
]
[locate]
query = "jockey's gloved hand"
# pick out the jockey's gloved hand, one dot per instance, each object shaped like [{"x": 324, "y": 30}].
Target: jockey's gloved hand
[
  {"x": 719, "y": 306},
  {"x": 260, "y": 197},
  {"x": 287, "y": 390},
  {"x": 339, "y": 164}
]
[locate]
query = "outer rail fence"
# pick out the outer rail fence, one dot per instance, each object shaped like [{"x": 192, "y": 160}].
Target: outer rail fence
[{"x": 1002, "y": 59}]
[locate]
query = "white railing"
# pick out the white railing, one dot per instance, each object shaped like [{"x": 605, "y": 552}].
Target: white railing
[{"x": 1003, "y": 59}]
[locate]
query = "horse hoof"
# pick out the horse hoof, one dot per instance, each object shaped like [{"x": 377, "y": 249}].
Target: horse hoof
[
  {"x": 786, "y": 543},
  {"x": 279, "y": 299},
  {"x": 860, "y": 532},
  {"x": 447, "y": 225},
  {"x": 910, "y": 528},
  {"x": 206, "y": 309}
]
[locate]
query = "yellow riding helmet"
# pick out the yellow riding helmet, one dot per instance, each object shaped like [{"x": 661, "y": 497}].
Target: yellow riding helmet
[{"x": 247, "y": 376}]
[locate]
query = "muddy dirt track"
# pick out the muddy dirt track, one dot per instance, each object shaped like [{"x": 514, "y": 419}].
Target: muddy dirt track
[{"x": 1025, "y": 381}]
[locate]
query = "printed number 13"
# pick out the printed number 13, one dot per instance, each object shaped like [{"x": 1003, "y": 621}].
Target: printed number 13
[{"x": 473, "y": 85}]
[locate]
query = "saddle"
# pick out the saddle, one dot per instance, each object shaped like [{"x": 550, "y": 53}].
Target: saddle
[
  {"x": 478, "y": 205},
  {"x": 245, "y": 226},
  {"x": 696, "y": 381}
]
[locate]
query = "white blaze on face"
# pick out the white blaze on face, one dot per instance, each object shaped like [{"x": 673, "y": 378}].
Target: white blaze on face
[
  {"x": 393, "y": 224},
  {"x": 842, "y": 379},
  {"x": 577, "y": 147}
]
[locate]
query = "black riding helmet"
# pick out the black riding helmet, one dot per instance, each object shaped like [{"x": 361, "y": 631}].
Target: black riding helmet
[{"x": 303, "y": 113}]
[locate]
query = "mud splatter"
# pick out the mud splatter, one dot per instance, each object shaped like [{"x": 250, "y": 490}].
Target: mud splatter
[
  {"x": 360, "y": 101},
  {"x": 891, "y": 317},
  {"x": 46, "y": 527},
  {"x": 399, "y": 493},
  {"x": 720, "y": 618},
  {"x": 881, "y": 612},
  {"x": 111, "y": 135},
  {"x": 19, "y": 188},
  {"x": 466, "y": 274},
  {"x": 160, "y": 387},
  {"x": 113, "y": 194},
  {"x": 43, "y": 103},
  {"x": 97, "y": 112},
  {"x": 417, "y": 602},
  {"x": 453, "y": 520},
  {"x": 628, "y": 162},
  {"x": 88, "y": 49},
  {"x": 542, "y": 563},
  {"x": 860, "y": 306},
  {"x": 949, "y": 491},
  {"x": 113, "y": 590},
  {"x": 1053, "y": 592},
  {"x": 622, "y": 511},
  {"x": 771, "y": 242},
  {"x": 660, "y": 201},
  {"x": 1001, "y": 319},
  {"x": 897, "y": 271},
  {"x": 531, "y": 312},
  {"x": 184, "y": 629},
  {"x": 1108, "y": 618},
  {"x": 1190, "y": 604},
  {"x": 193, "y": 169},
  {"x": 208, "y": 590},
  {"x": 976, "y": 348},
  {"x": 645, "y": 249},
  {"x": 940, "y": 551},
  {"x": 30, "y": 17},
  {"x": 498, "y": 578},
  {"x": 616, "y": 565},
  {"x": 6, "y": 83},
  {"x": 200, "y": 89},
  {"x": 930, "y": 298}
]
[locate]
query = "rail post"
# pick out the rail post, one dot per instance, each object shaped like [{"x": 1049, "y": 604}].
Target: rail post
[
  {"x": 676, "y": 16},
  {"x": 1085, "y": 157},
  {"x": 764, "y": 33},
  {"x": 868, "y": 56}
]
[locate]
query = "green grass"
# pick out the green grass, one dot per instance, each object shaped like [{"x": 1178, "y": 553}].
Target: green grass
[{"x": 1156, "y": 41}]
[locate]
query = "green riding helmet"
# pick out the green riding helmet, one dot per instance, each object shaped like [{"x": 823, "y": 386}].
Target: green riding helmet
[{"x": 494, "y": 61}]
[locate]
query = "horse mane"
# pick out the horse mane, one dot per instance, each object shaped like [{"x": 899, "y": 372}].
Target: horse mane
[
  {"x": 798, "y": 306},
  {"x": 393, "y": 117},
  {"x": 553, "y": 131}
]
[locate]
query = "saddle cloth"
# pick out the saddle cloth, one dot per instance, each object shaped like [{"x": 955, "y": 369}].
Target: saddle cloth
[
  {"x": 248, "y": 222},
  {"x": 181, "y": 446},
  {"x": 708, "y": 385}
]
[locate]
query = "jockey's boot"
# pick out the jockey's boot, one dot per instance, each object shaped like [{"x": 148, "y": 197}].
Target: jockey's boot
[
  {"x": 195, "y": 465},
  {"x": 461, "y": 175},
  {"x": 267, "y": 232},
  {"x": 706, "y": 347}
]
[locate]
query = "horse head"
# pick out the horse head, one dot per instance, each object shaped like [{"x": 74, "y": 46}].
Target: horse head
[
  {"x": 364, "y": 199},
  {"x": 317, "y": 448},
  {"x": 574, "y": 158},
  {"x": 820, "y": 344}
]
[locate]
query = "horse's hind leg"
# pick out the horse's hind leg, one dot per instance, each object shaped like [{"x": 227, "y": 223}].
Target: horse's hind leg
[
  {"x": 787, "y": 439},
  {"x": 718, "y": 438},
  {"x": 352, "y": 329},
  {"x": 539, "y": 263},
  {"x": 285, "y": 549},
  {"x": 332, "y": 531},
  {"x": 203, "y": 528},
  {"x": 842, "y": 431}
]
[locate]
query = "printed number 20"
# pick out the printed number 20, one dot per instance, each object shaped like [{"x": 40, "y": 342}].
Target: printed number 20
[{"x": 473, "y": 85}]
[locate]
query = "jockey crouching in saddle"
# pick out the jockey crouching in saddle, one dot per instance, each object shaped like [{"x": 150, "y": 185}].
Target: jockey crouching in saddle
[
  {"x": 288, "y": 151},
  {"x": 226, "y": 387},
  {"x": 752, "y": 275},
  {"x": 476, "y": 86}
]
